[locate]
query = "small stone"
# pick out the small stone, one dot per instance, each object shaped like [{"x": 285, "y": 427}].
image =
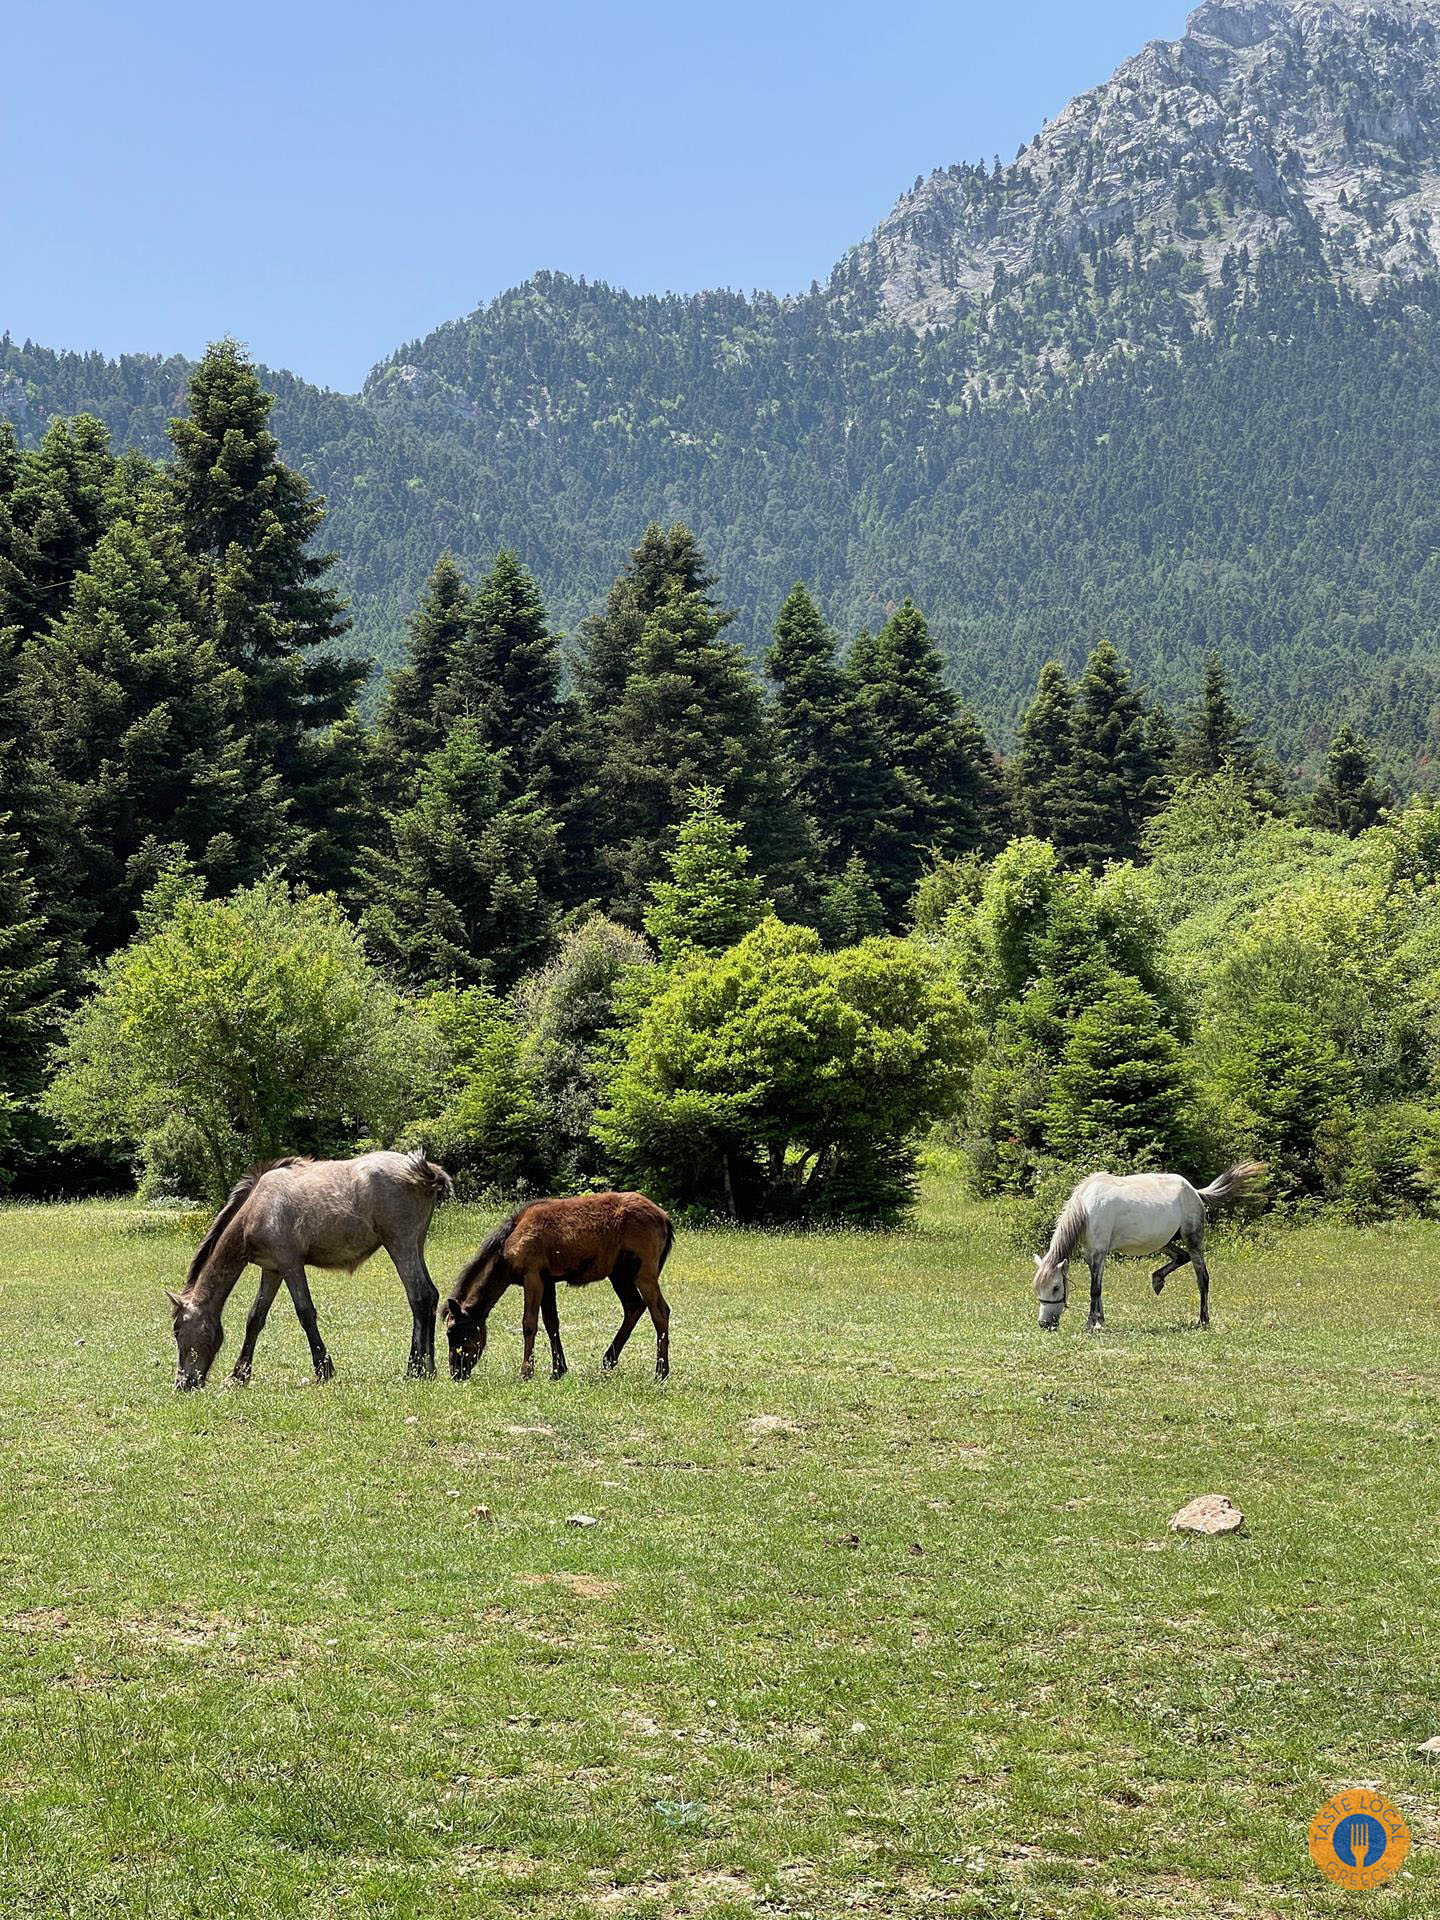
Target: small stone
[
  {"x": 412, "y": 1419},
  {"x": 1430, "y": 1750},
  {"x": 582, "y": 1520},
  {"x": 479, "y": 1513},
  {"x": 1211, "y": 1513}
]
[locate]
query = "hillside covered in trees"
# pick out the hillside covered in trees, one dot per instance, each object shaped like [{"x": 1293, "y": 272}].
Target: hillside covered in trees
[{"x": 1166, "y": 379}]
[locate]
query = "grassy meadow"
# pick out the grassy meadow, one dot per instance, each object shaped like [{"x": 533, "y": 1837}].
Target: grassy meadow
[{"x": 881, "y": 1615}]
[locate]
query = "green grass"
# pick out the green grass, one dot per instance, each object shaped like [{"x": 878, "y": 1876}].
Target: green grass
[{"x": 882, "y": 1615}]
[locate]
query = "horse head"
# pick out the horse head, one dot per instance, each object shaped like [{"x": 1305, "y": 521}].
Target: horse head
[
  {"x": 1052, "y": 1288},
  {"x": 198, "y": 1338}
]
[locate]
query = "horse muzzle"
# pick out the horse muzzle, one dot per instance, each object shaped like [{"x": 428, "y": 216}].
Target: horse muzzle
[{"x": 1049, "y": 1315}]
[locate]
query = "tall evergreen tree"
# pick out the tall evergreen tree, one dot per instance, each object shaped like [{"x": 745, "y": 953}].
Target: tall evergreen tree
[
  {"x": 1217, "y": 735},
  {"x": 508, "y": 677},
  {"x": 463, "y": 892},
  {"x": 666, "y": 562},
  {"x": 413, "y": 722},
  {"x": 1118, "y": 784},
  {"x": 1043, "y": 770},
  {"x": 1348, "y": 799},
  {"x": 55, "y": 504},
  {"x": 29, "y": 1005},
  {"x": 832, "y": 765},
  {"x": 249, "y": 521},
  {"x": 692, "y": 715},
  {"x": 135, "y": 716},
  {"x": 946, "y": 797},
  {"x": 712, "y": 899}
]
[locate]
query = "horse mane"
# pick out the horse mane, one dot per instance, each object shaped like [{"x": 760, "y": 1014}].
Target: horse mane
[
  {"x": 490, "y": 1248},
  {"x": 1068, "y": 1229},
  {"x": 239, "y": 1194}
]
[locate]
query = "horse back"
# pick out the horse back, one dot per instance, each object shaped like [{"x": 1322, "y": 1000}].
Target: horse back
[{"x": 583, "y": 1238}]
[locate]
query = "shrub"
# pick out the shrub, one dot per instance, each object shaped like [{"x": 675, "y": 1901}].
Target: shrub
[
  {"x": 779, "y": 1082},
  {"x": 487, "y": 1123}
]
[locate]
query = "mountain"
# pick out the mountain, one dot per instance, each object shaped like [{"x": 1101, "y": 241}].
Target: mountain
[{"x": 1170, "y": 377}]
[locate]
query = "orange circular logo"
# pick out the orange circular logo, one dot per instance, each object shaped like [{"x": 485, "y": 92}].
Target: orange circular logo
[{"x": 1358, "y": 1839}]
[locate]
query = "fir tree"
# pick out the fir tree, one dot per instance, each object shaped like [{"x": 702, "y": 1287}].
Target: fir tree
[
  {"x": 58, "y": 502},
  {"x": 1121, "y": 1087},
  {"x": 507, "y": 676},
  {"x": 248, "y": 520},
  {"x": 135, "y": 717},
  {"x": 1218, "y": 735},
  {"x": 664, "y": 564},
  {"x": 850, "y": 908},
  {"x": 463, "y": 894},
  {"x": 29, "y": 1005},
  {"x": 711, "y": 899},
  {"x": 945, "y": 798},
  {"x": 1118, "y": 784},
  {"x": 1347, "y": 799},
  {"x": 1043, "y": 770},
  {"x": 412, "y": 722},
  {"x": 830, "y": 763}
]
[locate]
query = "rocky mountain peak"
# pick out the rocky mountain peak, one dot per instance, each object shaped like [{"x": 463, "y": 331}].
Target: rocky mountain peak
[{"x": 1269, "y": 123}]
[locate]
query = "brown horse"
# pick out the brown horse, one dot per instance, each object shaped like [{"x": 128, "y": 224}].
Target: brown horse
[
  {"x": 324, "y": 1213},
  {"x": 620, "y": 1236}
]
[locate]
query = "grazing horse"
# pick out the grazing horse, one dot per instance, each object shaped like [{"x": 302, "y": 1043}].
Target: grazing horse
[
  {"x": 1139, "y": 1213},
  {"x": 324, "y": 1213},
  {"x": 620, "y": 1236}
]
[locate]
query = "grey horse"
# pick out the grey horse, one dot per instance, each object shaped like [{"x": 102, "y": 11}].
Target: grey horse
[
  {"x": 1133, "y": 1213},
  {"x": 292, "y": 1213}
]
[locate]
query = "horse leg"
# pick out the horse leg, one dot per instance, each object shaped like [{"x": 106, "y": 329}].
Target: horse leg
[
  {"x": 1179, "y": 1255},
  {"x": 552, "y": 1327},
  {"x": 530, "y": 1321},
  {"x": 1097, "y": 1310},
  {"x": 305, "y": 1313},
  {"x": 632, "y": 1306},
  {"x": 255, "y": 1325},
  {"x": 1202, "y": 1274},
  {"x": 647, "y": 1285},
  {"x": 424, "y": 1298}
]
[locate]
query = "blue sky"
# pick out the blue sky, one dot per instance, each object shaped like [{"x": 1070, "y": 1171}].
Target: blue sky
[{"x": 326, "y": 182}]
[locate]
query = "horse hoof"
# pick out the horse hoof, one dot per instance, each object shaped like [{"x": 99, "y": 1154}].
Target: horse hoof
[
  {"x": 1157, "y": 1281},
  {"x": 1094, "y": 1326}
]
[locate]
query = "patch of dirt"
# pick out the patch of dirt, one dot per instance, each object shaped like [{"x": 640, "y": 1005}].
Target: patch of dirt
[
  {"x": 764, "y": 1423},
  {"x": 520, "y": 1430},
  {"x": 586, "y": 1585},
  {"x": 40, "y": 1620}
]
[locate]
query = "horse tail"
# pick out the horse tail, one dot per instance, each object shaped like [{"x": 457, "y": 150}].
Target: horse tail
[
  {"x": 669, "y": 1243},
  {"x": 239, "y": 1194},
  {"x": 432, "y": 1175},
  {"x": 1233, "y": 1182}
]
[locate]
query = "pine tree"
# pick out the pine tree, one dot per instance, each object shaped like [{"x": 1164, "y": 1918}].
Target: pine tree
[
  {"x": 135, "y": 717},
  {"x": 1121, "y": 1087},
  {"x": 945, "y": 798},
  {"x": 412, "y": 722},
  {"x": 1043, "y": 770},
  {"x": 850, "y": 908},
  {"x": 833, "y": 768},
  {"x": 1117, "y": 782},
  {"x": 57, "y": 503},
  {"x": 248, "y": 520},
  {"x": 711, "y": 899},
  {"x": 463, "y": 893},
  {"x": 1348, "y": 800},
  {"x": 665, "y": 563},
  {"x": 508, "y": 677},
  {"x": 1218, "y": 735},
  {"x": 29, "y": 1005}
]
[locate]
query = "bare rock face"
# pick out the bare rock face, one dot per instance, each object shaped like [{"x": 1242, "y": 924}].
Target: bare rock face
[
  {"x": 1211, "y": 1513},
  {"x": 1312, "y": 124}
]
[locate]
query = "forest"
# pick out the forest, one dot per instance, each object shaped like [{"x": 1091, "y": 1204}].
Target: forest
[
  {"x": 1100, "y": 453},
  {"x": 624, "y": 910}
]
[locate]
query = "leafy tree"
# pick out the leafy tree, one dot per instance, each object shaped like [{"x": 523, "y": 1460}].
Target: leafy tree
[
  {"x": 572, "y": 1012},
  {"x": 1121, "y": 1086},
  {"x": 1289, "y": 1095},
  {"x": 235, "y": 1031},
  {"x": 249, "y": 521},
  {"x": 1348, "y": 800},
  {"x": 463, "y": 894},
  {"x": 136, "y": 716},
  {"x": 29, "y": 1007},
  {"x": 414, "y": 716},
  {"x": 489, "y": 1126},
  {"x": 711, "y": 899},
  {"x": 780, "y": 1082}
]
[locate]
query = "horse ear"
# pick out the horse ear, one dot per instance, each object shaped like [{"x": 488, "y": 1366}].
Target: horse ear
[
  {"x": 1039, "y": 1260},
  {"x": 447, "y": 1313},
  {"x": 175, "y": 1300}
]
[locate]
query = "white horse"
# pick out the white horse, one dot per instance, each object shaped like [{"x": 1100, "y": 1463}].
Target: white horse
[{"x": 1138, "y": 1213}]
